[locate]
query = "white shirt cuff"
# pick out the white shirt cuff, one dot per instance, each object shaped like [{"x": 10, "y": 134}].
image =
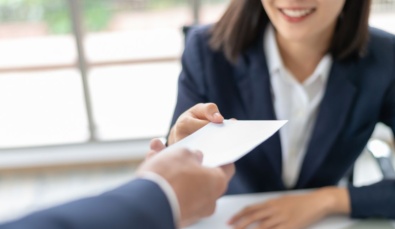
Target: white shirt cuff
[{"x": 168, "y": 190}]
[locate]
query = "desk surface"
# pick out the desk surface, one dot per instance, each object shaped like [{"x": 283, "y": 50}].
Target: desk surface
[{"x": 229, "y": 205}]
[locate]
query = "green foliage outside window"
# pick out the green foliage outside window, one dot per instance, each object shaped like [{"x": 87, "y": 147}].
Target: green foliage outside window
[
  {"x": 96, "y": 13},
  {"x": 55, "y": 13}
]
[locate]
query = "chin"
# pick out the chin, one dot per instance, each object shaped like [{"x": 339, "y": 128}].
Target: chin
[{"x": 295, "y": 36}]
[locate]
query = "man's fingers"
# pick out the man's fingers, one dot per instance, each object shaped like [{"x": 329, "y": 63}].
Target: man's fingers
[
  {"x": 229, "y": 170},
  {"x": 198, "y": 155},
  {"x": 219, "y": 179},
  {"x": 187, "y": 156},
  {"x": 150, "y": 154},
  {"x": 157, "y": 145},
  {"x": 207, "y": 111}
]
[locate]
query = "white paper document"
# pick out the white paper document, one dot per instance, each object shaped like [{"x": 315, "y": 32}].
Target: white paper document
[{"x": 227, "y": 142}]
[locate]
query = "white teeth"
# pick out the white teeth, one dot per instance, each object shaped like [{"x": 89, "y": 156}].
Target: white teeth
[{"x": 297, "y": 13}]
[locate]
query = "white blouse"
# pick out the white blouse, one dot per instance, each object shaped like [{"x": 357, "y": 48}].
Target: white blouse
[{"x": 296, "y": 102}]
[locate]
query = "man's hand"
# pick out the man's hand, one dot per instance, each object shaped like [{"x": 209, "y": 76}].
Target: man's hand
[
  {"x": 197, "y": 188},
  {"x": 156, "y": 146},
  {"x": 194, "y": 119}
]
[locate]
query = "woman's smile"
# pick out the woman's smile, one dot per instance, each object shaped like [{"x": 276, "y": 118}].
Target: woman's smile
[
  {"x": 307, "y": 21},
  {"x": 296, "y": 14}
]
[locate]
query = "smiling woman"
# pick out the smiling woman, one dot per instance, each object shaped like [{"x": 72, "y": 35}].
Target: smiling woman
[
  {"x": 315, "y": 63},
  {"x": 243, "y": 20}
]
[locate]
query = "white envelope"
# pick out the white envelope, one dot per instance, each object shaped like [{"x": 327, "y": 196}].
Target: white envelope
[{"x": 227, "y": 142}]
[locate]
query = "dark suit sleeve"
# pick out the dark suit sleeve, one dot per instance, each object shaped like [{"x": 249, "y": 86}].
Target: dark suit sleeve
[
  {"x": 138, "y": 204},
  {"x": 378, "y": 200},
  {"x": 191, "y": 89}
]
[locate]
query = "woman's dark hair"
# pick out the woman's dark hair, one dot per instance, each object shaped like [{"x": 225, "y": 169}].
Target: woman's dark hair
[{"x": 244, "y": 20}]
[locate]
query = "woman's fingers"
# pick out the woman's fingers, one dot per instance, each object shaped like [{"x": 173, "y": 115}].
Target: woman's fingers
[
  {"x": 246, "y": 211},
  {"x": 207, "y": 111},
  {"x": 188, "y": 126},
  {"x": 193, "y": 119},
  {"x": 253, "y": 217},
  {"x": 271, "y": 222}
]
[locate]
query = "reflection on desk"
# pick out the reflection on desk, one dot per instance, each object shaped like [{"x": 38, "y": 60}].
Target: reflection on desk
[{"x": 229, "y": 205}]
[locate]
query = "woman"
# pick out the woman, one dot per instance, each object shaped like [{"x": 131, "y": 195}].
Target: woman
[{"x": 315, "y": 63}]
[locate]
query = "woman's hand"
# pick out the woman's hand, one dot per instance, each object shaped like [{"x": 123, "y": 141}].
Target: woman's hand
[
  {"x": 194, "y": 119},
  {"x": 294, "y": 211},
  {"x": 190, "y": 121}
]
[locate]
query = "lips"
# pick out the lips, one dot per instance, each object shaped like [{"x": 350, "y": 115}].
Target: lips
[{"x": 296, "y": 15}]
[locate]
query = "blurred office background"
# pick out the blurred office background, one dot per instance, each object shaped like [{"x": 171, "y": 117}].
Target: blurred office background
[{"x": 84, "y": 86}]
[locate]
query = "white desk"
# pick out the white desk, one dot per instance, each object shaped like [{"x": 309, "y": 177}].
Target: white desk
[{"x": 229, "y": 205}]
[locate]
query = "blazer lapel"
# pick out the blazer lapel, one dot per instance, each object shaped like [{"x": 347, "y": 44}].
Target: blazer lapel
[
  {"x": 255, "y": 90},
  {"x": 332, "y": 114}
]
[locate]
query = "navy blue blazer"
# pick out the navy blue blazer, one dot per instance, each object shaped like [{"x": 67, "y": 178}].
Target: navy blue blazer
[
  {"x": 359, "y": 94},
  {"x": 138, "y": 204}
]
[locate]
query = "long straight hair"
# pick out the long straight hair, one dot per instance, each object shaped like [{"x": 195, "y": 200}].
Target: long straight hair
[{"x": 244, "y": 20}]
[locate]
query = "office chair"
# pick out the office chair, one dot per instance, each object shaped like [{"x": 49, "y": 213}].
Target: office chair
[{"x": 383, "y": 154}]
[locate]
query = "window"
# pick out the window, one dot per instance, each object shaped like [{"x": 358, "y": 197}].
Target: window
[
  {"x": 73, "y": 71},
  {"x": 383, "y": 15},
  {"x": 133, "y": 62},
  {"x": 41, "y": 101},
  {"x": 103, "y": 70}
]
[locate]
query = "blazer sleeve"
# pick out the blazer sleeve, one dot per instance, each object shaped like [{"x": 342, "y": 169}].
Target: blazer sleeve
[
  {"x": 191, "y": 86},
  {"x": 378, "y": 200},
  {"x": 138, "y": 204}
]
